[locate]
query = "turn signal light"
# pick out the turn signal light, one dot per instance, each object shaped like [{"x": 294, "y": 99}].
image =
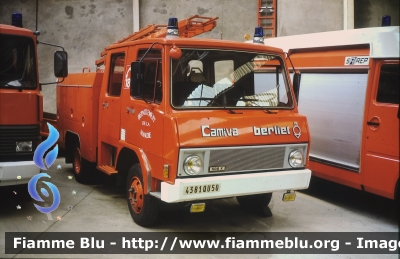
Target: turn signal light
[{"x": 197, "y": 207}]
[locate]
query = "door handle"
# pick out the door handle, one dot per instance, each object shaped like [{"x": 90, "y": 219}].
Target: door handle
[
  {"x": 130, "y": 110},
  {"x": 105, "y": 105},
  {"x": 372, "y": 123}
]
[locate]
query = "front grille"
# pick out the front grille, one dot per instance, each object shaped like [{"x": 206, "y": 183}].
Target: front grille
[
  {"x": 10, "y": 134},
  {"x": 248, "y": 158},
  {"x": 241, "y": 159}
]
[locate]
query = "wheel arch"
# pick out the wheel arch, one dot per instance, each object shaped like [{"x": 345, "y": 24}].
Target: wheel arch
[
  {"x": 70, "y": 139},
  {"x": 126, "y": 159}
]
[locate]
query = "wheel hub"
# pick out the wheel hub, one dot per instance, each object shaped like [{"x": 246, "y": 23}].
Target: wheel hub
[{"x": 136, "y": 195}]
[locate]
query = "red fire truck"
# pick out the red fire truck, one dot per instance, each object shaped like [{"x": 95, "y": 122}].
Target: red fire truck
[
  {"x": 182, "y": 119},
  {"x": 21, "y": 103}
]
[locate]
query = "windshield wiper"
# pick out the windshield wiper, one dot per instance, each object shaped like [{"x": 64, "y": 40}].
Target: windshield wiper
[
  {"x": 201, "y": 99},
  {"x": 254, "y": 101},
  {"x": 268, "y": 111},
  {"x": 212, "y": 101},
  {"x": 232, "y": 111}
]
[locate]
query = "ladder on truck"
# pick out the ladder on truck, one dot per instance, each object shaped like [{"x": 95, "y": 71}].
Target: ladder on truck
[{"x": 188, "y": 28}]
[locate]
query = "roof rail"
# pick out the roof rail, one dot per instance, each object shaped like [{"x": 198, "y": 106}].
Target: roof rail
[{"x": 188, "y": 28}]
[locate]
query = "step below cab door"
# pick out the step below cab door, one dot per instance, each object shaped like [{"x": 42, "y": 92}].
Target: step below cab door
[{"x": 381, "y": 154}]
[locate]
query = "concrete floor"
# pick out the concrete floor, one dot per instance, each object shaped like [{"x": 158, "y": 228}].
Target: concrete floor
[{"x": 101, "y": 207}]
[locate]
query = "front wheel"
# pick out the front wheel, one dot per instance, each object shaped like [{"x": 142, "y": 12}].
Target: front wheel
[
  {"x": 143, "y": 207},
  {"x": 257, "y": 203}
]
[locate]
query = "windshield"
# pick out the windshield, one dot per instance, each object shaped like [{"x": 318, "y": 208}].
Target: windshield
[
  {"x": 17, "y": 62},
  {"x": 215, "y": 78}
]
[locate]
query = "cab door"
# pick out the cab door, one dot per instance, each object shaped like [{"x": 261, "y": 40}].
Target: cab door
[
  {"x": 381, "y": 160},
  {"x": 142, "y": 123},
  {"x": 110, "y": 108}
]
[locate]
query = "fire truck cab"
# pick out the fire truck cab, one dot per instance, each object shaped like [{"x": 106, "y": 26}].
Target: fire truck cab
[
  {"x": 186, "y": 120},
  {"x": 21, "y": 103}
]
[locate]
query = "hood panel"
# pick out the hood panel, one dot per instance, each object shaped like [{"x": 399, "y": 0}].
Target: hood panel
[
  {"x": 221, "y": 128},
  {"x": 19, "y": 108}
]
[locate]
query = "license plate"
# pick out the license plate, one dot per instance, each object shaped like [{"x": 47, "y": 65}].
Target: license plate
[{"x": 205, "y": 188}]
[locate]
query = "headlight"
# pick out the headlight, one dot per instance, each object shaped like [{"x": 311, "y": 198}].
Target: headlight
[
  {"x": 23, "y": 146},
  {"x": 296, "y": 158},
  {"x": 193, "y": 165}
]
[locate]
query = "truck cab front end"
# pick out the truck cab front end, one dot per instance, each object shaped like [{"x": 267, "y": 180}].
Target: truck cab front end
[
  {"x": 238, "y": 129},
  {"x": 20, "y": 105}
]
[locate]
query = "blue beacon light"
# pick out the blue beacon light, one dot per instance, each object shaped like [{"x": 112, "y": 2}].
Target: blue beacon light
[
  {"x": 172, "y": 29},
  {"x": 258, "y": 35},
  {"x": 16, "y": 19},
  {"x": 386, "y": 20}
]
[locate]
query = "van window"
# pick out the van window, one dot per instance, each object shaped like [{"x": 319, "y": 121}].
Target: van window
[
  {"x": 116, "y": 72},
  {"x": 388, "y": 88}
]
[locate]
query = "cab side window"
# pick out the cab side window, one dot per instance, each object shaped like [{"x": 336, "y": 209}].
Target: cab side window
[
  {"x": 116, "y": 74},
  {"x": 388, "y": 88},
  {"x": 152, "y": 88}
]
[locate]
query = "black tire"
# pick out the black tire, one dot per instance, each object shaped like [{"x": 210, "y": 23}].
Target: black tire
[
  {"x": 144, "y": 208},
  {"x": 80, "y": 166},
  {"x": 257, "y": 203}
]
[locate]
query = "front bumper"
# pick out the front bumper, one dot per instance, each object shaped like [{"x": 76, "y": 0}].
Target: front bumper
[
  {"x": 15, "y": 173},
  {"x": 237, "y": 185}
]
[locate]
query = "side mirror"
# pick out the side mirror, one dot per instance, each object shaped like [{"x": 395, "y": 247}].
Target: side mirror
[
  {"x": 296, "y": 85},
  {"x": 60, "y": 64},
  {"x": 137, "y": 78}
]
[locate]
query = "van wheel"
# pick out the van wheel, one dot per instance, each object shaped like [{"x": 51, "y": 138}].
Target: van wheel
[
  {"x": 143, "y": 207},
  {"x": 80, "y": 166},
  {"x": 257, "y": 203}
]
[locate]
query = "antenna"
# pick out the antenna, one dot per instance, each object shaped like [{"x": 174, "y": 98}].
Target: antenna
[{"x": 37, "y": 8}]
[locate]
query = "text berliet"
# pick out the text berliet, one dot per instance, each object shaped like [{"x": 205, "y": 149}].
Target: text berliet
[{"x": 274, "y": 129}]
